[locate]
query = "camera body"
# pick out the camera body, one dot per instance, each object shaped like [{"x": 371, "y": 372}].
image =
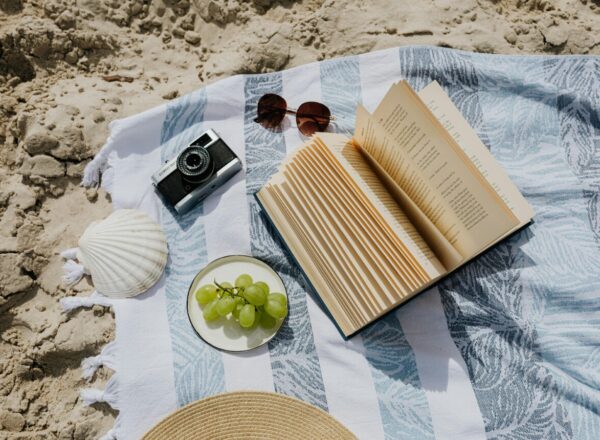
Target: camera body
[{"x": 198, "y": 170}]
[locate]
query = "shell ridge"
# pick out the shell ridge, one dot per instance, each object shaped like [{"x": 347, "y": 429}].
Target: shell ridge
[{"x": 126, "y": 253}]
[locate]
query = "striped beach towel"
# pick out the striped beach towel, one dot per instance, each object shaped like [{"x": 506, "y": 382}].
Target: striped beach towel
[{"x": 507, "y": 348}]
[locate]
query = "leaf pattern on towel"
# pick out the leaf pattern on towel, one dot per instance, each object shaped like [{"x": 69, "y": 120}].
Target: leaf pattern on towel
[
  {"x": 577, "y": 98},
  {"x": 198, "y": 368},
  {"x": 493, "y": 313},
  {"x": 402, "y": 403},
  {"x": 341, "y": 92},
  {"x": 569, "y": 341},
  {"x": 514, "y": 313},
  {"x": 294, "y": 360}
]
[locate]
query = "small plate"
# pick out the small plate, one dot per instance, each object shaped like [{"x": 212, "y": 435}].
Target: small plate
[{"x": 226, "y": 333}]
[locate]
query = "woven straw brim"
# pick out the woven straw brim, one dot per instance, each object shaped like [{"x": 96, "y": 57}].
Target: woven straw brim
[{"x": 249, "y": 415}]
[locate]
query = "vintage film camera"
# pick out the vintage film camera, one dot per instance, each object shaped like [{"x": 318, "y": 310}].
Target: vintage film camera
[{"x": 197, "y": 171}]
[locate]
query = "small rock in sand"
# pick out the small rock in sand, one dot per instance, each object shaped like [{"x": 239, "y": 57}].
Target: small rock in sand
[
  {"x": 191, "y": 37},
  {"x": 14, "y": 422},
  {"x": 555, "y": 36},
  {"x": 72, "y": 146},
  {"x": 42, "y": 166},
  {"x": 91, "y": 194},
  {"x": 98, "y": 116},
  {"x": 75, "y": 169},
  {"x": 11, "y": 279},
  {"x": 23, "y": 197},
  {"x": 72, "y": 57},
  {"x": 28, "y": 233},
  {"x": 66, "y": 20},
  {"x": 171, "y": 94},
  {"x": 40, "y": 143},
  {"x": 178, "y": 33},
  {"x": 510, "y": 37}
]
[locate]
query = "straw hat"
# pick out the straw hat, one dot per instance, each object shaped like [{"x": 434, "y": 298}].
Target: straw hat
[{"x": 249, "y": 415}]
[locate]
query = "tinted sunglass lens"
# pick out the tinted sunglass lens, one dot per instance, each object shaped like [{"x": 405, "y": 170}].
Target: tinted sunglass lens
[
  {"x": 312, "y": 117},
  {"x": 270, "y": 110}
]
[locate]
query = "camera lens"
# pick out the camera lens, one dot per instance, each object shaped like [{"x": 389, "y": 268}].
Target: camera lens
[
  {"x": 193, "y": 161},
  {"x": 195, "y": 164}
]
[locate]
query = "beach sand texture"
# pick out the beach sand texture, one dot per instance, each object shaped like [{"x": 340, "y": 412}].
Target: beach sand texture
[{"x": 55, "y": 107}]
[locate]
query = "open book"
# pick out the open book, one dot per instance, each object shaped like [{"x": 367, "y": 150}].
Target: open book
[{"x": 378, "y": 218}]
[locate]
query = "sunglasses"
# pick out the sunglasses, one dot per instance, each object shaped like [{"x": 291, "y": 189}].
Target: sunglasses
[{"x": 310, "y": 116}]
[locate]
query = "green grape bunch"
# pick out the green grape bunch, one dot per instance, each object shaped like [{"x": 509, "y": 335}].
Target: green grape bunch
[{"x": 249, "y": 303}]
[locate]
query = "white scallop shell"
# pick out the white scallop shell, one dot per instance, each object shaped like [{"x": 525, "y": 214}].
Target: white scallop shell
[{"x": 125, "y": 253}]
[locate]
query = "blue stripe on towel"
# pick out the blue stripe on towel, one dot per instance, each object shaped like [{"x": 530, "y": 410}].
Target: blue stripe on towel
[
  {"x": 340, "y": 91},
  {"x": 569, "y": 337},
  {"x": 198, "y": 368},
  {"x": 294, "y": 360},
  {"x": 402, "y": 402}
]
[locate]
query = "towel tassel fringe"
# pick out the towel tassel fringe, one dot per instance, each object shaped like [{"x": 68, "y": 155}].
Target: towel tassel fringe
[
  {"x": 109, "y": 395},
  {"x": 106, "y": 358},
  {"x": 75, "y": 302},
  {"x": 74, "y": 272}
]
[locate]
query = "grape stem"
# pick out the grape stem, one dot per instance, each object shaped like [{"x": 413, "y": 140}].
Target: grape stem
[{"x": 232, "y": 291}]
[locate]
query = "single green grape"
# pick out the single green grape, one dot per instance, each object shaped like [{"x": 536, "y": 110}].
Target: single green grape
[
  {"x": 257, "y": 315},
  {"x": 279, "y": 297},
  {"x": 244, "y": 280},
  {"x": 264, "y": 286},
  {"x": 210, "y": 312},
  {"x": 267, "y": 321},
  {"x": 239, "y": 303},
  {"x": 274, "y": 308},
  {"x": 247, "y": 315},
  {"x": 225, "y": 305},
  {"x": 255, "y": 295},
  {"x": 236, "y": 311},
  {"x": 206, "y": 294}
]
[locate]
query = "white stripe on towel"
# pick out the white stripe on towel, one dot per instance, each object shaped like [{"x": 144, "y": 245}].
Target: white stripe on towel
[
  {"x": 454, "y": 409},
  {"x": 343, "y": 365},
  {"x": 378, "y": 71},
  {"x": 225, "y": 114},
  {"x": 147, "y": 388}
]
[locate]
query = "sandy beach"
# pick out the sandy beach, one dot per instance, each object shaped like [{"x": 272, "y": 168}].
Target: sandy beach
[{"x": 67, "y": 69}]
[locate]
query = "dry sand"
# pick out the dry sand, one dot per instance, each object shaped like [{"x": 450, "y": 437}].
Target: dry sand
[{"x": 55, "y": 107}]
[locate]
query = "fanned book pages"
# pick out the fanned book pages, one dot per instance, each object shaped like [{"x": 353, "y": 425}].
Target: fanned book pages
[{"x": 378, "y": 218}]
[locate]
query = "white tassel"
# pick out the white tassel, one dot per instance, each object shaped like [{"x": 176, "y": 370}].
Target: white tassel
[
  {"x": 110, "y": 435},
  {"x": 105, "y": 358},
  {"x": 74, "y": 302},
  {"x": 74, "y": 272},
  {"x": 110, "y": 394},
  {"x": 69, "y": 254},
  {"x": 93, "y": 170},
  {"x": 91, "y": 396},
  {"x": 108, "y": 177}
]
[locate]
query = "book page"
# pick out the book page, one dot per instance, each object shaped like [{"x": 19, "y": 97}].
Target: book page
[
  {"x": 453, "y": 121},
  {"x": 440, "y": 246},
  {"x": 367, "y": 180},
  {"x": 417, "y": 152},
  {"x": 363, "y": 223}
]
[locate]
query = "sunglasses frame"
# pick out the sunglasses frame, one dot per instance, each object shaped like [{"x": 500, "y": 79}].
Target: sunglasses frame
[{"x": 264, "y": 115}]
